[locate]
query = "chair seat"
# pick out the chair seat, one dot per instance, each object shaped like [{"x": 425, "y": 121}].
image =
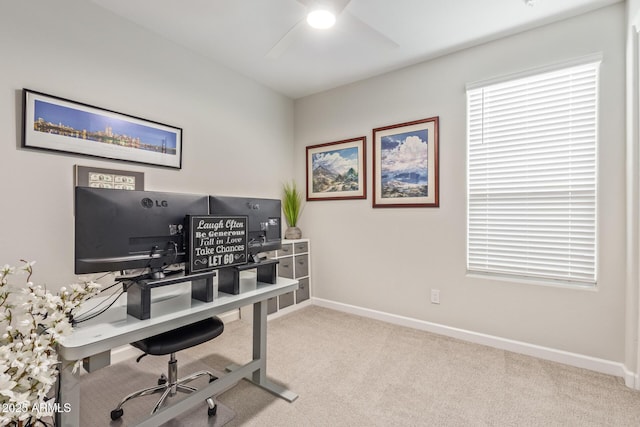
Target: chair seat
[{"x": 181, "y": 338}]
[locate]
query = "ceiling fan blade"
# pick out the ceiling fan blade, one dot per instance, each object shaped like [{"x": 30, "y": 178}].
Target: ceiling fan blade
[
  {"x": 287, "y": 40},
  {"x": 360, "y": 25}
]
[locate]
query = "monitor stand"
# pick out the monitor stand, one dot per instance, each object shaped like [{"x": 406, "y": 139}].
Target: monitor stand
[
  {"x": 229, "y": 277},
  {"x": 139, "y": 291}
]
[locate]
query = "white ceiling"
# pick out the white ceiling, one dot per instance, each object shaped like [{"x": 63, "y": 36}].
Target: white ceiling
[{"x": 371, "y": 37}]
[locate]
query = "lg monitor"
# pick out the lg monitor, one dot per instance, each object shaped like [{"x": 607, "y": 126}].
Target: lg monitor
[
  {"x": 264, "y": 220},
  {"x": 123, "y": 230}
]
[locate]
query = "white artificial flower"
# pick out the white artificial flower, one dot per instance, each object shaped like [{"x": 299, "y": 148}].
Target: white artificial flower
[
  {"x": 53, "y": 301},
  {"x": 4, "y": 356},
  {"x": 77, "y": 288},
  {"x": 60, "y": 330},
  {"x": 21, "y": 397},
  {"x": 76, "y": 366},
  {"x": 25, "y": 323},
  {"x": 21, "y": 360},
  {"x": 6, "y": 385},
  {"x": 32, "y": 321},
  {"x": 7, "y": 269},
  {"x": 28, "y": 266}
]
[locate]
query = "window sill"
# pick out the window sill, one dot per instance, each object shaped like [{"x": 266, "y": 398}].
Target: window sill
[{"x": 575, "y": 286}]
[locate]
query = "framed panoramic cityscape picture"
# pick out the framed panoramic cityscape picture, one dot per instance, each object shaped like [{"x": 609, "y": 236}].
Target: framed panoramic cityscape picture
[
  {"x": 337, "y": 170},
  {"x": 405, "y": 165},
  {"x": 58, "y": 124}
]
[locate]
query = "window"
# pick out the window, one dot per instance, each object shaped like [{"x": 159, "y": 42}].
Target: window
[{"x": 532, "y": 175}]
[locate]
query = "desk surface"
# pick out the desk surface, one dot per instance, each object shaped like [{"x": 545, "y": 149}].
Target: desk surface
[{"x": 170, "y": 310}]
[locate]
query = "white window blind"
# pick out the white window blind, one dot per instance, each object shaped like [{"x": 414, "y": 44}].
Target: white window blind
[{"x": 532, "y": 176}]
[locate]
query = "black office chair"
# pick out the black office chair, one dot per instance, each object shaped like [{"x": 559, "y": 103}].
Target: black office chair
[{"x": 169, "y": 343}]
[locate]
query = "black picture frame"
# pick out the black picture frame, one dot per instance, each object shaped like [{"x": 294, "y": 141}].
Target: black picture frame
[{"x": 58, "y": 124}]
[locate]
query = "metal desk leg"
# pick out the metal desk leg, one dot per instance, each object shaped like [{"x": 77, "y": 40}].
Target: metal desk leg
[
  {"x": 259, "y": 376},
  {"x": 69, "y": 398}
]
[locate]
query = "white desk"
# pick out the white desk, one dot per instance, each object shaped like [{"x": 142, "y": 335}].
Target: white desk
[{"x": 95, "y": 338}]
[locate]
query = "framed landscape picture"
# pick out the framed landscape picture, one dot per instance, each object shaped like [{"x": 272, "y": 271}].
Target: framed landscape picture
[
  {"x": 57, "y": 124},
  {"x": 405, "y": 165},
  {"x": 337, "y": 170}
]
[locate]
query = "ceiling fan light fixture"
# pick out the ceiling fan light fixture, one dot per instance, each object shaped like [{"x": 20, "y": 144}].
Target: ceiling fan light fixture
[{"x": 321, "y": 19}]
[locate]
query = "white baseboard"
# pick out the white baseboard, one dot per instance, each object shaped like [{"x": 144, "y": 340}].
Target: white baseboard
[
  {"x": 283, "y": 311},
  {"x": 123, "y": 353},
  {"x": 631, "y": 379},
  {"x": 573, "y": 359}
]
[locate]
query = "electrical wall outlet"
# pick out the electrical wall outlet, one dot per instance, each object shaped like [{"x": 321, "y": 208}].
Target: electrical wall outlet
[{"x": 435, "y": 296}]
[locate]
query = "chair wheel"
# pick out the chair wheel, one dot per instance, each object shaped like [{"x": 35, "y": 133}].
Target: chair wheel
[
  {"x": 211, "y": 411},
  {"x": 162, "y": 379},
  {"x": 116, "y": 413}
]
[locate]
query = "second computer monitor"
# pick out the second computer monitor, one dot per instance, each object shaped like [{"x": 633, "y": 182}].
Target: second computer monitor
[{"x": 264, "y": 220}]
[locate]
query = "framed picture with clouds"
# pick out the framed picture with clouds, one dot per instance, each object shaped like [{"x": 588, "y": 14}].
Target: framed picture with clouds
[{"x": 405, "y": 165}]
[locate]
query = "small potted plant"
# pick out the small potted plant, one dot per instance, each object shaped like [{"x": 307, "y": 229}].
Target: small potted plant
[{"x": 291, "y": 206}]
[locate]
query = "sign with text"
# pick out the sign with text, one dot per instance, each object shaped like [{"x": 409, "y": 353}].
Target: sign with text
[{"x": 216, "y": 241}]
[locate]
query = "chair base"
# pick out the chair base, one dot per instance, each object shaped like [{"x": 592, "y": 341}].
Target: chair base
[{"x": 169, "y": 386}]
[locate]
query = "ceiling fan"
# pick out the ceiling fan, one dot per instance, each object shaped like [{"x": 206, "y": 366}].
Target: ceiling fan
[{"x": 324, "y": 8}]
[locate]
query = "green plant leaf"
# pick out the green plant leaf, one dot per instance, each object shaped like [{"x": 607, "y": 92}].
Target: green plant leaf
[{"x": 291, "y": 203}]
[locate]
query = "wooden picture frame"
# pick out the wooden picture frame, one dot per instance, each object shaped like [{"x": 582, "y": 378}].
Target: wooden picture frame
[
  {"x": 337, "y": 170},
  {"x": 58, "y": 124},
  {"x": 405, "y": 165}
]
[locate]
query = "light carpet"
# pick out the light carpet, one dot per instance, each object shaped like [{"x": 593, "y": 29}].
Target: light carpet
[
  {"x": 102, "y": 390},
  {"x": 354, "y": 371}
]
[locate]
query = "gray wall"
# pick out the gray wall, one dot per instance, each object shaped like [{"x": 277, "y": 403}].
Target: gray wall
[
  {"x": 389, "y": 259},
  {"x": 239, "y": 139},
  {"x": 238, "y": 135}
]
